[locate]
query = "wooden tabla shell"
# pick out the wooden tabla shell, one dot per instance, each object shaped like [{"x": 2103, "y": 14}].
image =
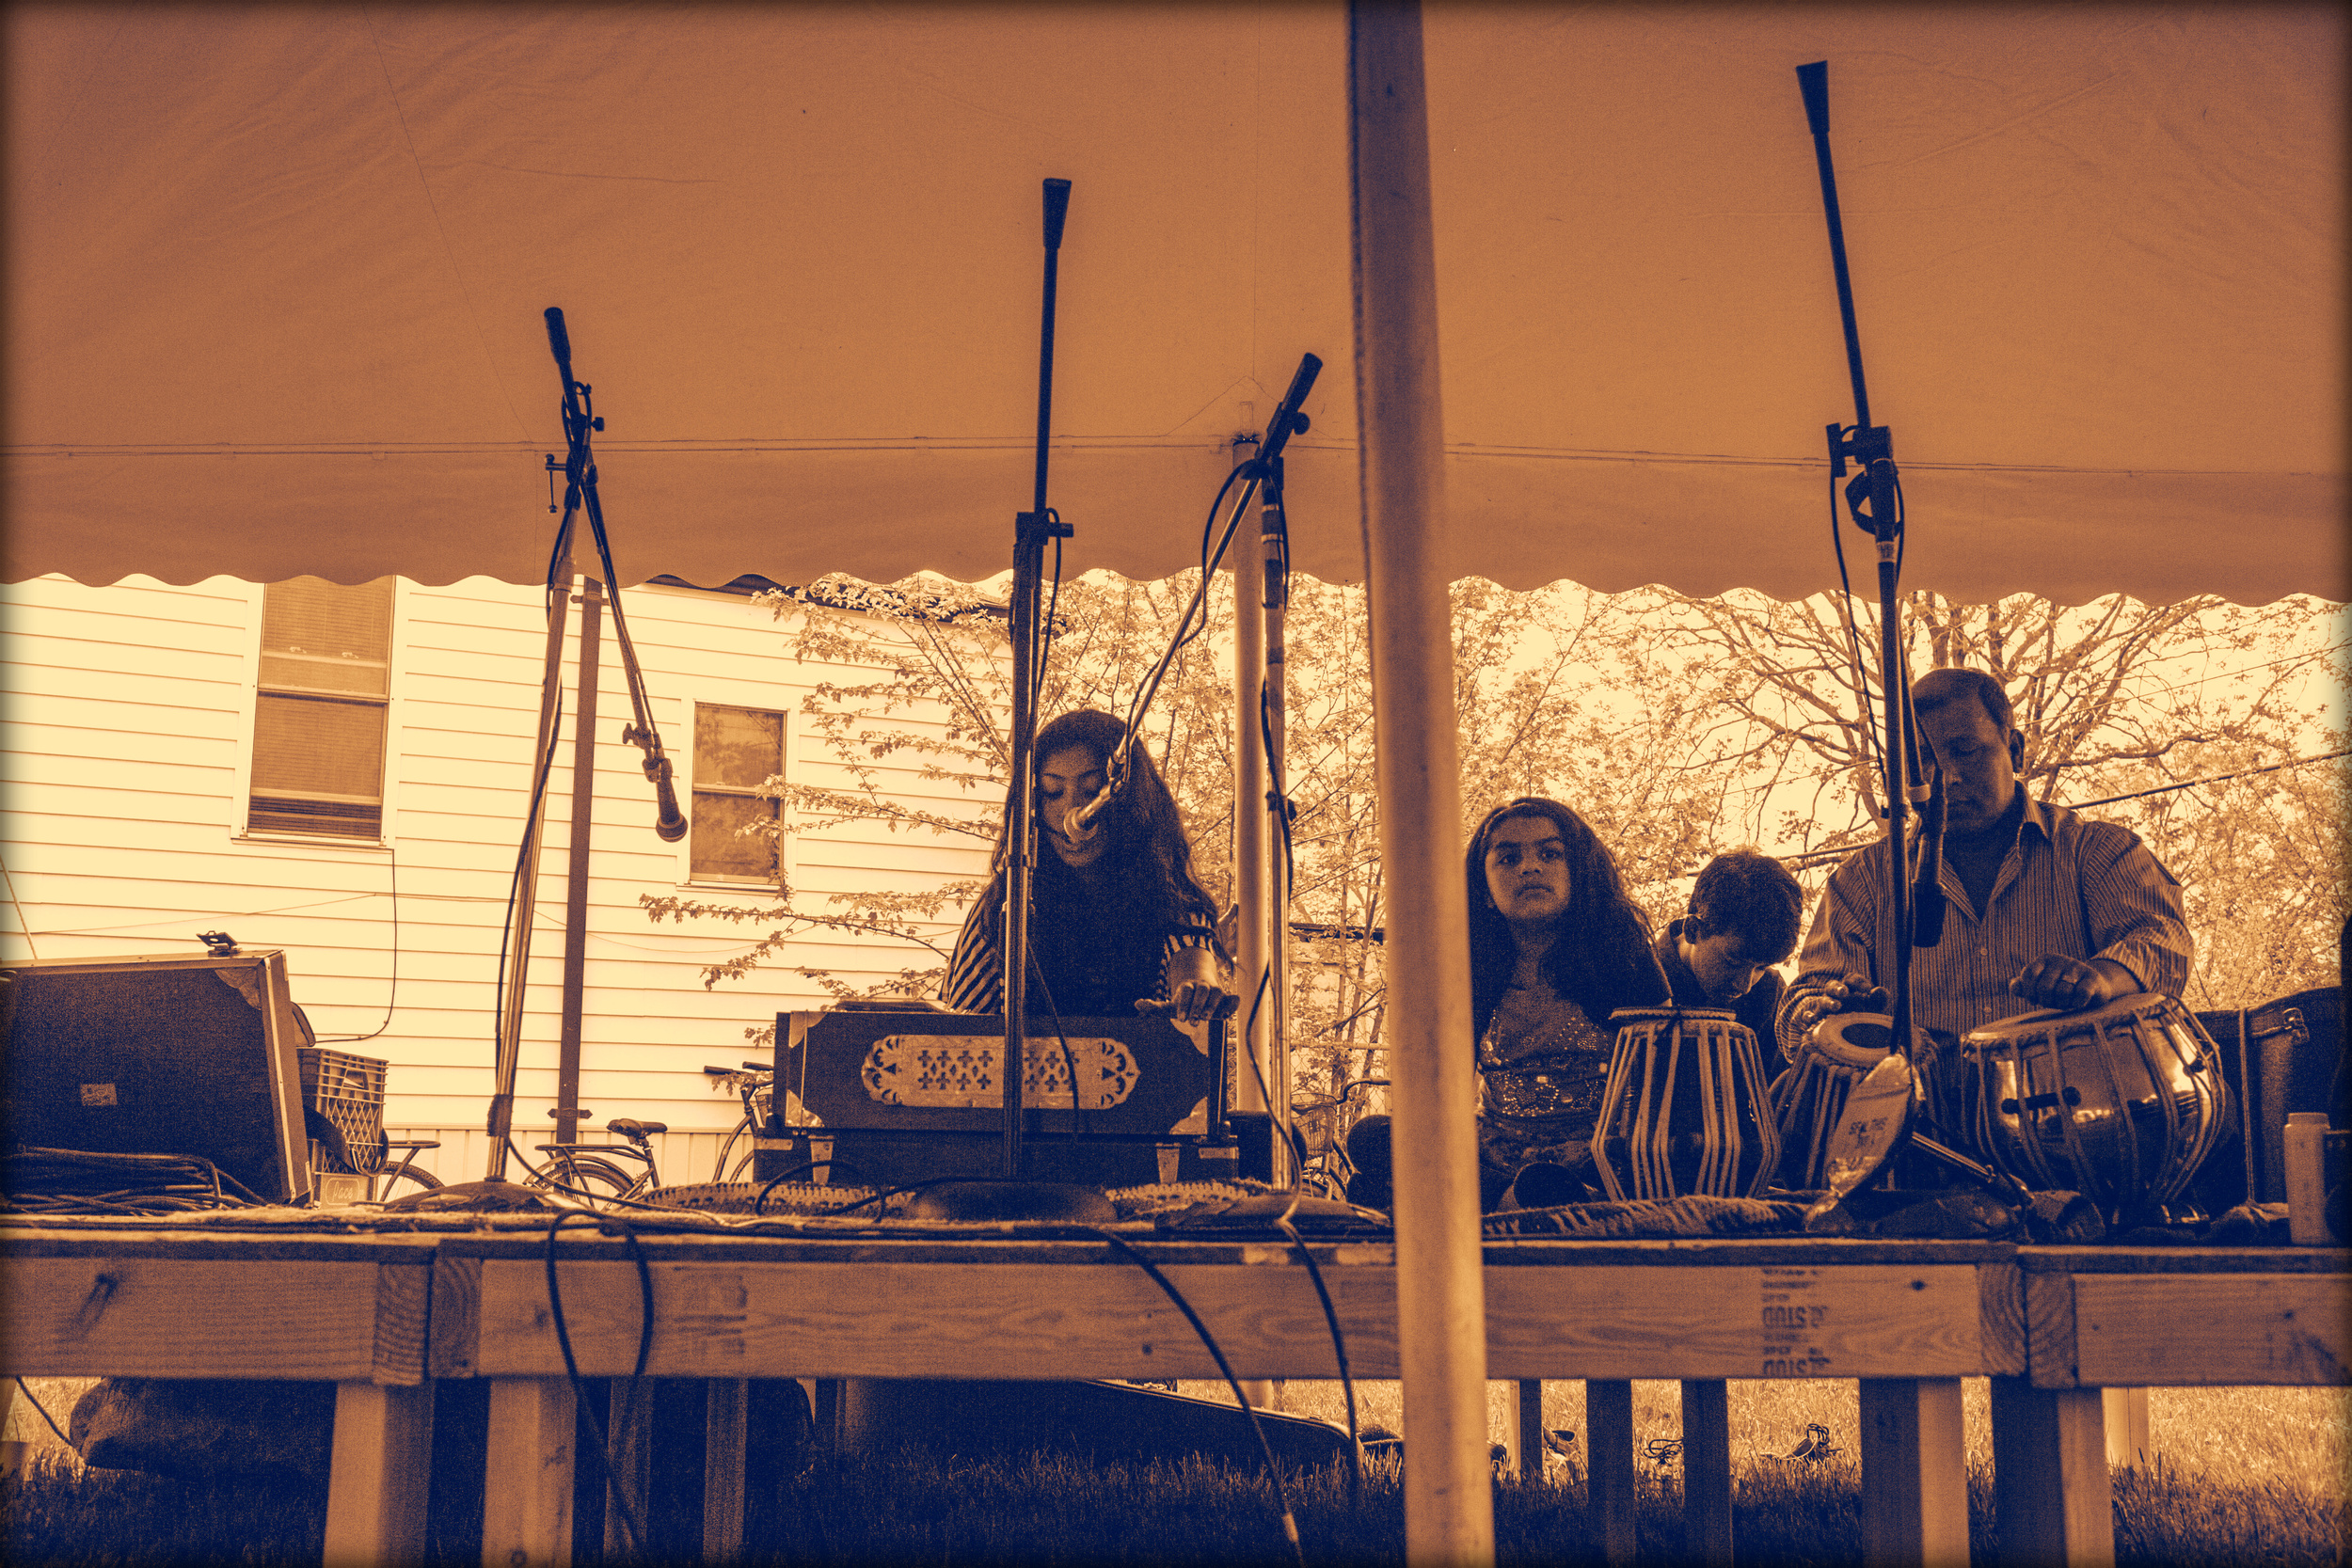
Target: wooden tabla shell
[
  {"x": 1686, "y": 1109},
  {"x": 2120, "y": 1103}
]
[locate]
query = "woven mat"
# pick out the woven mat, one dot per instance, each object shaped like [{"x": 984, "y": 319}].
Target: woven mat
[{"x": 1652, "y": 1218}]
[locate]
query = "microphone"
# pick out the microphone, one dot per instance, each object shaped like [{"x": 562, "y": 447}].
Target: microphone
[
  {"x": 559, "y": 341},
  {"x": 668, "y": 820},
  {"x": 1813, "y": 83},
  {"x": 1056, "y": 211},
  {"x": 1078, "y": 827},
  {"x": 1927, "y": 890},
  {"x": 1288, "y": 420}
]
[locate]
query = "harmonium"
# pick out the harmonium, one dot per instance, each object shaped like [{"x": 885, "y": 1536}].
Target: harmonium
[{"x": 884, "y": 1098}]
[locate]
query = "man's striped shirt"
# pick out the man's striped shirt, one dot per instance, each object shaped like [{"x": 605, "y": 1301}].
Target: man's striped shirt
[{"x": 2070, "y": 885}]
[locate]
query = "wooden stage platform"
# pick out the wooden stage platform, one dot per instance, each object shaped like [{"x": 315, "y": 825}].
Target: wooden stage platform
[{"x": 388, "y": 1314}]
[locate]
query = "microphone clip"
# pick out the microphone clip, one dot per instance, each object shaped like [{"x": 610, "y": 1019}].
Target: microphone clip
[{"x": 1870, "y": 494}]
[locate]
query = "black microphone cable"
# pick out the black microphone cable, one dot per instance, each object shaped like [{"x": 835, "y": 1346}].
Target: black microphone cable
[
  {"x": 615, "y": 1488},
  {"x": 1339, "y": 1351},
  {"x": 1257, "y": 1427}
]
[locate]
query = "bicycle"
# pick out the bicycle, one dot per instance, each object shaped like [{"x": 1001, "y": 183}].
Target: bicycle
[
  {"x": 387, "y": 1182},
  {"x": 1327, "y": 1169},
  {"x": 589, "y": 1169},
  {"x": 756, "y": 1083}
]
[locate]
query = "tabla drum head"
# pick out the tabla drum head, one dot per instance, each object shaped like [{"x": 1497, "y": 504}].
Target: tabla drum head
[{"x": 1858, "y": 1040}]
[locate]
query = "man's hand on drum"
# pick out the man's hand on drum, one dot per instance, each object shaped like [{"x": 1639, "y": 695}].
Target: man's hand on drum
[
  {"x": 2071, "y": 985},
  {"x": 1818, "y": 999}
]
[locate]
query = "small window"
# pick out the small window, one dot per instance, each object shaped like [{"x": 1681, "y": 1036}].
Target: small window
[
  {"x": 319, "y": 708},
  {"x": 737, "y": 750}
]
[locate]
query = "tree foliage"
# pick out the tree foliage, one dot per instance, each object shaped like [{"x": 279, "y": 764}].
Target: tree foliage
[{"x": 1678, "y": 726}]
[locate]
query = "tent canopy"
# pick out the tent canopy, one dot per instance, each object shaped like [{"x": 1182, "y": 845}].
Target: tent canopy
[{"x": 276, "y": 275}]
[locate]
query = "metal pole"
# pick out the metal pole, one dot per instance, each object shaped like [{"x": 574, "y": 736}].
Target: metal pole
[
  {"x": 1441, "y": 1317},
  {"x": 576, "y": 868},
  {"x": 510, "y": 1022},
  {"x": 1274, "y": 574},
  {"x": 1255, "y": 1066}
]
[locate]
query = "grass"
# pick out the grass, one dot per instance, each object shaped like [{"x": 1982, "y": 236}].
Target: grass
[{"x": 2241, "y": 1475}]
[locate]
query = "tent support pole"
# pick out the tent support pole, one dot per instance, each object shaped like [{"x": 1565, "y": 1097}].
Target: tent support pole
[
  {"x": 1441, "y": 1319},
  {"x": 1251, "y": 953}
]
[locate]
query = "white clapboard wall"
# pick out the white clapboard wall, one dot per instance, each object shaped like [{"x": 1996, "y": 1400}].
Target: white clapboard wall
[{"x": 128, "y": 719}]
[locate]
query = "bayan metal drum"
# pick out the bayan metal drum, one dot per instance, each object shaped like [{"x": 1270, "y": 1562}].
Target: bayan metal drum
[
  {"x": 2121, "y": 1103},
  {"x": 1686, "y": 1108}
]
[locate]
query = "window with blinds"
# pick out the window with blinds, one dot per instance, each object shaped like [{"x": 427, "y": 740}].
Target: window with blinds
[
  {"x": 319, "y": 709},
  {"x": 735, "y": 750}
]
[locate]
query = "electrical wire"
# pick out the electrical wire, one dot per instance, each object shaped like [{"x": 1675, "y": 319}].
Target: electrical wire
[
  {"x": 392, "y": 999},
  {"x": 1257, "y": 1427},
  {"x": 43, "y": 1410},
  {"x": 24, "y": 925},
  {"x": 616, "y": 1488},
  {"x": 1185, "y": 630}
]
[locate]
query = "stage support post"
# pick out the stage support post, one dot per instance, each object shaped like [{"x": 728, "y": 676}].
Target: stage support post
[{"x": 1442, "y": 1308}]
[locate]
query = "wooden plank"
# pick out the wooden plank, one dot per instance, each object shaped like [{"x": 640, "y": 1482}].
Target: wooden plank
[
  {"x": 2124, "y": 1417},
  {"x": 725, "y": 1434},
  {"x": 2001, "y": 1317},
  {"x": 2052, "y": 1497},
  {"x": 457, "y": 1321},
  {"x": 1527, "y": 1429},
  {"x": 133, "y": 1316},
  {"x": 2050, "y": 1330},
  {"x": 1707, "y": 1472},
  {"x": 379, "y": 1474},
  {"x": 2169, "y": 1331},
  {"x": 403, "y": 1302},
  {"x": 1790, "y": 1321},
  {"x": 1608, "y": 1476},
  {"x": 911, "y": 1320},
  {"x": 628, "y": 1470},
  {"x": 1000, "y": 1321},
  {"x": 527, "y": 1487},
  {"x": 1914, "y": 1475}
]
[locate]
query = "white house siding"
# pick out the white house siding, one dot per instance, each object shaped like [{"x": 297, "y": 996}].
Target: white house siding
[{"x": 128, "y": 719}]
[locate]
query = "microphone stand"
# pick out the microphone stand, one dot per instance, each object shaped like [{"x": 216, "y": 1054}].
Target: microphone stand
[
  {"x": 1873, "y": 496},
  {"x": 1031, "y": 530},
  {"x": 579, "y": 488}
]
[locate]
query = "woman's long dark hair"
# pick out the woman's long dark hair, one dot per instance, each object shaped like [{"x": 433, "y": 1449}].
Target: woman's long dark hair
[
  {"x": 1146, "y": 856},
  {"x": 1602, "y": 959}
]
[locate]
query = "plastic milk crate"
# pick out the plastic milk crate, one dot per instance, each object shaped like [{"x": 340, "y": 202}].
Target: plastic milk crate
[{"x": 348, "y": 1090}]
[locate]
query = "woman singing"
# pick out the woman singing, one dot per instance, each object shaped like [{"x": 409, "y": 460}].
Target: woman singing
[
  {"x": 1116, "y": 917},
  {"x": 1556, "y": 947}
]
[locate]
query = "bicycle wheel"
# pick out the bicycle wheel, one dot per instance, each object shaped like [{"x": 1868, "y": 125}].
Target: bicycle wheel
[
  {"x": 399, "y": 1183},
  {"x": 590, "y": 1174}
]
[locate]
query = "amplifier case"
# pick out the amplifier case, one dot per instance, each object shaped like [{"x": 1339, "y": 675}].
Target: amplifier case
[{"x": 164, "y": 1055}]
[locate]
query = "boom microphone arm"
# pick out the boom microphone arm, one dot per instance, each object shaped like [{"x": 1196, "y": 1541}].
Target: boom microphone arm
[{"x": 579, "y": 486}]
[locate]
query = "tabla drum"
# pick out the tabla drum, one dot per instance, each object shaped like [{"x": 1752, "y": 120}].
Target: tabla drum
[
  {"x": 1810, "y": 1098},
  {"x": 2120, "y": 1103},
  {"x": 1686, "y": 1108}
]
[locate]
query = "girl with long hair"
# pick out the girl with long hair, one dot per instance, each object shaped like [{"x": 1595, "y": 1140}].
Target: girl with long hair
[
  {"x": 1116, "y": 918},
  {"x": 1556, "y": 947}
]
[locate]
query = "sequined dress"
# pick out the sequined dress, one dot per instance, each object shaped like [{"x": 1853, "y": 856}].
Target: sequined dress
[{"x": 1542, "y": 1066}]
